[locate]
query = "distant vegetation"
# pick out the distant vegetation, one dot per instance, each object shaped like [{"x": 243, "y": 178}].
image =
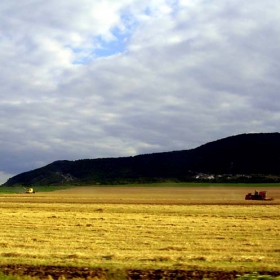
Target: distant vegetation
[{"x": 246, "y": 158}]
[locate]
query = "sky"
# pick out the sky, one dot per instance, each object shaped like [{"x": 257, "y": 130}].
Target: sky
[{"x": 84, "y": 79}]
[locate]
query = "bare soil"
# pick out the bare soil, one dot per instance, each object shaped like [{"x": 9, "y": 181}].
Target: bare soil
[
  {"x": 212, "y": 195},
  {"x": 58, "y": 272}
]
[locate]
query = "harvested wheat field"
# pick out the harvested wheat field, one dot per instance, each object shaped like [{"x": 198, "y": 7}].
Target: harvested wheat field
[{"x": 141, "y": 232}]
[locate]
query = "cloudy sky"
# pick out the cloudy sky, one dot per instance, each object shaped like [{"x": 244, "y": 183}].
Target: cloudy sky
[{"x": 109, "y": 78}]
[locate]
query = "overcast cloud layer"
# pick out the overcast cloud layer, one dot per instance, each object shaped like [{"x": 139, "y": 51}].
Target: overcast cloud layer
[{"x": 90, "y": 79}]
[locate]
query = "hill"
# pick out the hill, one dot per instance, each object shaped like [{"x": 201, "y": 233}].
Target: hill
[{"x": 240, "y": 158}]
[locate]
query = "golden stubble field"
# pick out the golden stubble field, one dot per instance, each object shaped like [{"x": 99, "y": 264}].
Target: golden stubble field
[{"x": 142, "y": 227}]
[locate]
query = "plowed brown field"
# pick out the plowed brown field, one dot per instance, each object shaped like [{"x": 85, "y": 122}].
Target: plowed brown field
[
  {"x": 58, "y": 272},
  {"x": 149, "y": 195}
]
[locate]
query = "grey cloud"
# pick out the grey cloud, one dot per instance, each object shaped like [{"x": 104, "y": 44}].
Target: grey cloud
[{"x": 198, "y": 73}]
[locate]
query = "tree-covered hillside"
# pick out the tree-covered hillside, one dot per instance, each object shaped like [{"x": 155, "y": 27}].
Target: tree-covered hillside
[{"x": 246, "y": 157}]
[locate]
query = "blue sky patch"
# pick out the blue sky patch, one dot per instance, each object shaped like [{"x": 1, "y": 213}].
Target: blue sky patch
[{"x": 112, "y": 47}]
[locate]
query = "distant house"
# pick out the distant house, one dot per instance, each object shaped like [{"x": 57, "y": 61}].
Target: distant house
[{"x": 205, "y": 177}]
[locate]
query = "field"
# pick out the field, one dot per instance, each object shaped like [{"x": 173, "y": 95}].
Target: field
[{"x": 137, "y": 229}]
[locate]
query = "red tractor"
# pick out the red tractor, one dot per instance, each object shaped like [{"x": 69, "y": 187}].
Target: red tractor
[{"x": 257, "y": 196}]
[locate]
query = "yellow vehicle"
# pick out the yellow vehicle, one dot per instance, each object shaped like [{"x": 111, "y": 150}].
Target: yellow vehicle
[{"x": 29, "y": 190}]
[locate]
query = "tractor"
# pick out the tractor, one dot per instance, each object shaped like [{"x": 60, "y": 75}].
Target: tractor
[{"x": 261, "y": 195}]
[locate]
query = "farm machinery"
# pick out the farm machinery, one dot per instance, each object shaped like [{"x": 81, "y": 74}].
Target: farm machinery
[
  {"x": 29, "y": 190},
  {"x": 261, "y": 195}
]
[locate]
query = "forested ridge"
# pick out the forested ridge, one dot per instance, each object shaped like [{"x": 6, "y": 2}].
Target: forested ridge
[{"x": 241, "y": 158}]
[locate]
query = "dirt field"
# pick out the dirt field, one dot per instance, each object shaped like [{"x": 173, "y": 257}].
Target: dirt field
[
  {"x": 144, "y": 232},
  {"x": 56, "y": 273},
  {"x": 149, "y": 195}
]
